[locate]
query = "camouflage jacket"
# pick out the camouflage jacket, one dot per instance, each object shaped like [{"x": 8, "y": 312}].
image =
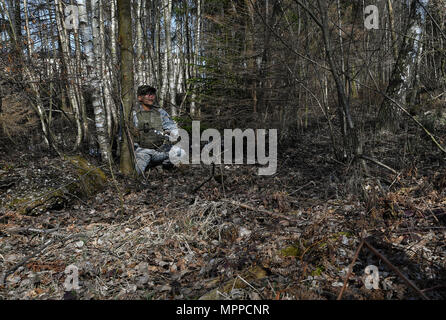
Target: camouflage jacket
[{"x": 167, "y": 124}]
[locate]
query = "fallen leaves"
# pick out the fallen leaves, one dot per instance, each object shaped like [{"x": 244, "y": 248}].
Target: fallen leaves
[
  {"x": 170, "y": 244},
  {"x": 56, "y": 266}
]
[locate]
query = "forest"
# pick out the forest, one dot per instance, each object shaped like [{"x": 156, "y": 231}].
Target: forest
[{"x": 313, "y": 135}]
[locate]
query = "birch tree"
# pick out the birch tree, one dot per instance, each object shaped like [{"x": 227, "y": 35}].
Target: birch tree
[
  {"x": 140, "y": 65},
  {"x": 113, "y": 35},
  {"x": 70, "y": 70},
  {"x": 168, "y": 86},
  {"x": 105, "y": 71},
  {"x": 91, "y": 35},
  {"x": 400, "y": 77},
  {"x": 196, "y": 56}
]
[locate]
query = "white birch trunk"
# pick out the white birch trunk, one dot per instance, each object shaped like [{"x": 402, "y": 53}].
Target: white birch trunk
[
  {"x": 165, "y": 60},
  {"x": 148, "y": 57},
  {"x": 70, "y": 69},
  {"x": 140, "y": 65},
  {"x": 167, "y": 90},
  {"x": 92, "y": 51},
  {"x": 31, "y": 76},
  {"x": 78, "y": 80},
  {"x": 105, "y": 72},
  {"x": 193, "y": 107},
  {"x": 113, "y": 69},
  {"x": 157, "y": 53},
  {"x": 114, "y": 30}
]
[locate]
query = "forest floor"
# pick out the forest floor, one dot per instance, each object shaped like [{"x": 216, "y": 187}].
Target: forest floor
[{"x": 292, "y": 235}]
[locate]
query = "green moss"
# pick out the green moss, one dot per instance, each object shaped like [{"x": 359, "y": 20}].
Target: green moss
[
  {"x": 18, "y": 201},
  {"x": 6, "y": 166},
  {"x": 291, "y": 251},
  {"x": 318, "y": 271},
  {"x": 322, "y": 245},
  {"x": 91, "y": 178},
  {"x": 91, "y": 181},
  {"x": 34, "y": 204}
]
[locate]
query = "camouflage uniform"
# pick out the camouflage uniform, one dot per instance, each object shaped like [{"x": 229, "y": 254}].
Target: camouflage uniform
[{"x": 154, "y": 155}]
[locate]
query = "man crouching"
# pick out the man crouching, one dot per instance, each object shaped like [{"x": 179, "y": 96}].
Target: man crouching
[{"x": 152, "y": 129}]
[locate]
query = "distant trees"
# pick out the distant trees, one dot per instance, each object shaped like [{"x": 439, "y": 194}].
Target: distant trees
[{"x": 257, "y": 63}]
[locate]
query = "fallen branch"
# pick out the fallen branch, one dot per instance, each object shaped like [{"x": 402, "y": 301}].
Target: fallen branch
[
  {"x": 350, "y": 269},
  {"x": 207, "y": 180},
  {"x": 442, "y": 286},
  {"x": 305, "y": 185},
  {"x": 33, "y": 230},
  {"x": 35, "y": 253},
  {"x": 378, "y": 163},
  {"x": 25, "y": 260},
  {"x": 398, "y": 272}
]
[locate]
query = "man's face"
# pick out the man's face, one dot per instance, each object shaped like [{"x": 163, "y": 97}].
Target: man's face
[{"x": 147, "y": 99}]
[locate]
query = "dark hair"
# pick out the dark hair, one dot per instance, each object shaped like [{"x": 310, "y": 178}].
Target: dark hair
[{"x": 143, "y": 90}]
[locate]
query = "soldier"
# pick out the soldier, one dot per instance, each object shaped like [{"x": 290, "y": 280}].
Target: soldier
[{"x": 152, "y": 128}]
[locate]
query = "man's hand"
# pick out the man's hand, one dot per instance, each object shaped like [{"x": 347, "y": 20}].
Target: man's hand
[{"x": 173, "y": 134}]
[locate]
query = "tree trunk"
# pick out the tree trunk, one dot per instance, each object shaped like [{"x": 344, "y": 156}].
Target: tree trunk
[
  {"x": 168, "y": 87},
  {"x": 196, "y": 58},
  {"x": 141, "y": 68},
  {"x": 127, "y": 83},
  {"x": 399, "y": 79},
  {"x": 70, "y": 72},
  {"x": 92, "y": 51},
  {"x": 392, "y": 29},
  {"x": 249, "y": 54},
  {"x": 113, "y": 30},
  {"x": 106, "y": 78}
]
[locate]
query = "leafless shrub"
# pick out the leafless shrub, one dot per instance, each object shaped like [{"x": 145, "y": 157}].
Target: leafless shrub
[{"x": 17, "y": 118}]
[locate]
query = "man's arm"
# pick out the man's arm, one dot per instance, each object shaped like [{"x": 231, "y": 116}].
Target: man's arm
[{"x": 168, "y": 124}]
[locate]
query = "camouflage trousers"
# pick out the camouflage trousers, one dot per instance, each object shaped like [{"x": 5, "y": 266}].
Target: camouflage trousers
[{"x": 152, "y": 157}]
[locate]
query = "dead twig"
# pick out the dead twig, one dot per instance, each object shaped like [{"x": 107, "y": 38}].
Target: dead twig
[
  {"x": 434, "y": 288},
  {"x": 398, "y": 272},
  {"x": 378, "y": 163},
  {"x": 25, "y": 260},
  {"x": 394, "y": 180},
  {"x": 305, "y": 185},
  {"x": 207, "y": 180},
  {"x": 35, "y": 253},
  {"x": 350, "y": 269},
  {"x": 34, "y": 230}
]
